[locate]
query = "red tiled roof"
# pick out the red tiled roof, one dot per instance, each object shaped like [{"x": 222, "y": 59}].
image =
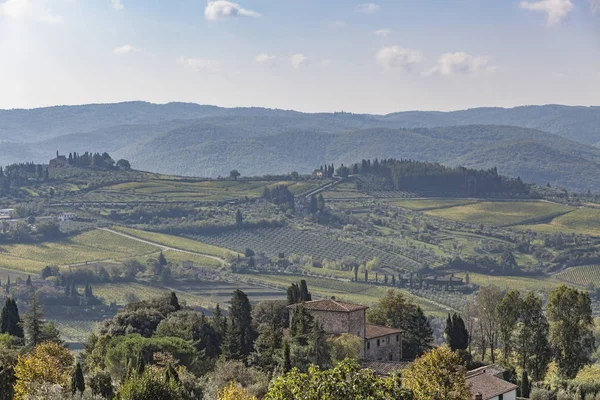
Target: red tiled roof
[
  {"x": 329, "y": 305},
  {"x": 488, "y": 385},
  {"x": 375, "y": 331}
]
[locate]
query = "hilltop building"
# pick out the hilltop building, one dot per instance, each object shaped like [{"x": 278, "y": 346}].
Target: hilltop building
[
  {"x": 59, "y": 161},
  {"x": 380, "y": 342}
]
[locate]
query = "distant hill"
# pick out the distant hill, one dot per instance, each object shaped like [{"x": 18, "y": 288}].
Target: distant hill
[{"x": 539, "y": 143}]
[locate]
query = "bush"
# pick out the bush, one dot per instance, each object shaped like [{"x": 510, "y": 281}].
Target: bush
[
  {"x": 151, "y": 385},
  {"x": 540, "y": 394}
]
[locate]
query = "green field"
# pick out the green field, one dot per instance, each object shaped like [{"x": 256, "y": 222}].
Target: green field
[
  {"x": 430, "y": 204},
  {"x": 581, "y": 276},
  {"x": 95, "y": 245},
  {"x": 173, "y": 190},
  {"x": 523, "y": 284},
  {"x": 501, "y": 213},
  {"x": 175, "y": 241},
  {"x": 582, "y": 221}
]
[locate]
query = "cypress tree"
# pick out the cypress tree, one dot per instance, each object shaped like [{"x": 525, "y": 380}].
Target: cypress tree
[
  {"x": 174, "y": 301},
  {"x": 8, "y": 284},
  {"x": 525, "y": 388},
  {"x": 287, "y": 360},
  {"x": 34, "y": 320},
  {"x": 162, "y": 259},
  {"x": 304, "y": 293},
  {"x": 239, "y": 218},
  {"x": 28, "y": 282},
  {"x": 241, "y": 317},
  {"x": 77, "y": 380},
  {"x": 73, "y": 290},
  {"x": 141, "y": 364},
  {"x": 10, "y": 321},
  {"x": 171, "y": 374}
]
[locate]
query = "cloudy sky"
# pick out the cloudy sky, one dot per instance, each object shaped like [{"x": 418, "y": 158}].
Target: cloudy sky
[{"x": 309, "y": 55}]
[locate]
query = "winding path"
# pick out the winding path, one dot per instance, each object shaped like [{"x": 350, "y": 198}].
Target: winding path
[{"x": 162, "y": 246}]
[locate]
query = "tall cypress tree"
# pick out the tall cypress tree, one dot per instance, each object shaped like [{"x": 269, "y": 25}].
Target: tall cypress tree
[
  {"x": 77, "y": 380},
  {"x": 34, "y": 320},
  {"x": 10, "y": 321},
  {"x": 241, "y": 317}
]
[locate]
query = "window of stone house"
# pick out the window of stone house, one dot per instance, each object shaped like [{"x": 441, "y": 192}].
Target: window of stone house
[
  {"x": 390, "y": 357},
  {"x": 368, "y": 345},
  {"x": 377, "y": 342},
  {"x": 397, "y": 338}
]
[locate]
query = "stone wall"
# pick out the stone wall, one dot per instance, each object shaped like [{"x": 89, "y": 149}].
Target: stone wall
[{"x": 384, "y": 348}]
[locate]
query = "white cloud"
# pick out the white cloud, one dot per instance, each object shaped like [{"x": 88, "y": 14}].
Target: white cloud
[
  {"x": 265, "y": 58},
  {"x": 398, "y": 57},
  {"x": 28, "y": 9},
  {"x": 460, "y": 63},
  {"x": 298, "y": 60},
  {"x": 117, "y": 5},
  {"x": 200, "y": 64},
  {"x": 555, "y": 9},
  {"x": 383, "y": 32},
  {"x": 221, "y": 9},
  {"x": 595, "y": 5},
  {"x": 125, "y": 49},
  {"x": 367, "y": 8}
]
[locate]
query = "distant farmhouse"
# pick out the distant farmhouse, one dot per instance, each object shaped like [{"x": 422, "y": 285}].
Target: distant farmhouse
[
  {"x": 380, "y": 343},
  {"x": 59, "y": 161}
]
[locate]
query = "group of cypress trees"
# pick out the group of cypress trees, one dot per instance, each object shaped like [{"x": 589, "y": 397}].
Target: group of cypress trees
[{"x": 298, "y": 293}]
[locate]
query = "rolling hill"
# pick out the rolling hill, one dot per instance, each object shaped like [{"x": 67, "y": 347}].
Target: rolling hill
[{"x": 190, "y": 139}]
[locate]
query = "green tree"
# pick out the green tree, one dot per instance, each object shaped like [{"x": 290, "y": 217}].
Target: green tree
[
  {"x": 395, "y": 311},
  {"x": 508, "y": 311},
  {"x": 33, "y": 322},
  {"x": 10, "y": 321},
  {"x": 437, "y": 375},
  {"x": 571, "y": 329},
  {"x": 234, "y": 174},
  {"x": 314, "y": 206},
  {"x": 162, "y": 260},
  {"x": 531, "y": 339},
  {"x": 346, "y": 381},
  {"x": 77, "y": 380},
  {"x": 321, "y": 203},
  {"x": 100, "y": 384},
  {"x": 151, "y": 385},
  {"x": 240, "y": 313},
  {"x": 318, "y": 347},
  {"x": 487, "y": 299},
  {"x": 239, "y": 218},
  {"x": 123, "y": 164},
  {"x": 457, "y": 336}
]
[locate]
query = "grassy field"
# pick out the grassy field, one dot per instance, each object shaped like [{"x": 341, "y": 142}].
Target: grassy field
[
  {"x": 346, "y": 190},
  {"x": 523, "y": 284},
  {"x": 430, "y": 204},
  {"x": 172, "y": 190},
  {"x": 95, "y": 245},
  {"x": 501, "y": 213},
  {"x": 581, "y": 276},
  {"x": 175, "y": 242},
  {"x": 583, "y": 220}
]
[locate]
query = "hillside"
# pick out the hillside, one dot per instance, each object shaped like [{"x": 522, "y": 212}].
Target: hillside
[{"x": 190, "y": 139}]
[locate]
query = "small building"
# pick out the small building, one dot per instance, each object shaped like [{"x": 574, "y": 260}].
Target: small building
[
  {"x": 383, "y": 343},
  {"x": 68, "y": 216},
  {"x": 380, "y": 343},
  {"x": 318, "y": 173},
  {"x": 487, "y": 386},
  {"x": 6, "y": 212},
  {"x": 59, "y": 162}
]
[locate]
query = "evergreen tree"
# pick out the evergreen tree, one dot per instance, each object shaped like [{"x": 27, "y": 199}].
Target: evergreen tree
[
  {"x": 457, "y": 336},
  {"x": 287, "y": 360},
  {"x": 321, "y": 203},
  {"x": 241, "y": 328},
  {"x": 301, "y": 326},
  {"x": 162, "y": 261},
  {"x": 239, "y": 218},
  {"x": 304, "y": 293},
  {"x": 10, "y": 321},
  {"x": 33, "y": 322},
  {"x": 174, "y": 301},
  {"x": 531, "y": 339},
  {"x": 28, "y": 282},
  {"x": 525, "y": 388},
  {"x": 77, "y": 380},
  {"x": 318, "y": 348},
  {"x": 232, "y": 343},
  {"x": 314, "y": 207},
  {"x": 171, "y": 373},
  {"x": 219, "y": 321},
  {"x": 73, "y": 291},
  {"x": 8, "y": 284}
]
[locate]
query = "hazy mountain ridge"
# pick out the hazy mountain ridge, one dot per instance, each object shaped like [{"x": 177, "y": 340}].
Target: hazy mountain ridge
[{"x": 190, "y": 139}]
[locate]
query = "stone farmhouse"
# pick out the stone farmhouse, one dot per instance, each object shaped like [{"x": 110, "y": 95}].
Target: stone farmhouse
[
  {"x": 380, "y": 343},
  {"x": 487, "y": 383}
]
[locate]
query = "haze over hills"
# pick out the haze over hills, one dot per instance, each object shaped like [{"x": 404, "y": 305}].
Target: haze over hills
[{"x": 539, "y": 143}]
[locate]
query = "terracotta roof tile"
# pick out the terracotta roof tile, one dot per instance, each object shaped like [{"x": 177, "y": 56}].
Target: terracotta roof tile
[
  {"x": 329, "y": 305},
  {"x": 375, "y": 331},
  {"x": 488, "y": 385}
]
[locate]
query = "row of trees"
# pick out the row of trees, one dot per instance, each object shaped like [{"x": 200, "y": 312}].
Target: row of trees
[{"x": 409, "y": 175}]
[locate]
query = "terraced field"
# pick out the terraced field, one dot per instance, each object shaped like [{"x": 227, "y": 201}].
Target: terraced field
[
  {"x": 272, "y": 241},
  {"x": 95, "y": 245},
  {"x": 502, "y": 213}
]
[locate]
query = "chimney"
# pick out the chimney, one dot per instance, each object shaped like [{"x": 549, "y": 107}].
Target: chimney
[{"x": 478, "y": 396}]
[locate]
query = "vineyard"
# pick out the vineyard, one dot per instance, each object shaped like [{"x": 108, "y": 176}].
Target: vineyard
[
  {"x": 582, "y": 276},
  {"x": 273, "y": 241}
]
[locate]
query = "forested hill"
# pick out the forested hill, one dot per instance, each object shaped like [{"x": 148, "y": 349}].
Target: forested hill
[{"x": 190, "y": 139}]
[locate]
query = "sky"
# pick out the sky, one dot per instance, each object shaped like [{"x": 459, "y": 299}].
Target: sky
[{"x": 310, "y": 55}]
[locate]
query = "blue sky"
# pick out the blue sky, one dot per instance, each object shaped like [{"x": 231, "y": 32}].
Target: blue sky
[{"x": 309, "y": 55}]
